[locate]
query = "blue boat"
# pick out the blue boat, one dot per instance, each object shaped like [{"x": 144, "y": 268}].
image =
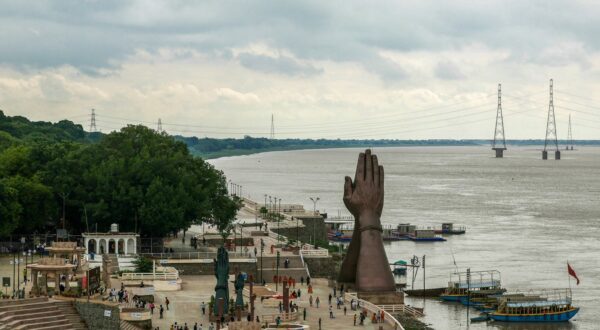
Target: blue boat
[
  {"x": 546, "y": 306},
  {"x": 425, "y": 235},
  {"x": 481, "y": 287}
]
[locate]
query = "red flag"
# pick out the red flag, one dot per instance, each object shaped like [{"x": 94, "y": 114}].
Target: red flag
[{"x": 572, "y": 272}]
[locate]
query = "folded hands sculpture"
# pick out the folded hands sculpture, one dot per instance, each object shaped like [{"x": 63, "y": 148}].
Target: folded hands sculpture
[{"x": 366, "y": 263}]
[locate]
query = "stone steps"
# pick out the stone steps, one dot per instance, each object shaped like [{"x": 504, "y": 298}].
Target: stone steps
[{"x": 40, "y": 314}]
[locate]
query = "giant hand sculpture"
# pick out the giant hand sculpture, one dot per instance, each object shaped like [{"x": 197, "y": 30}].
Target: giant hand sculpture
[{"x": 366, "y": 263}]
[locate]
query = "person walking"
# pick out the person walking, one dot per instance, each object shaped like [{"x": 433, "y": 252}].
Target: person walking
[
  {"x": 161, "y": 310},
  {"x": 317, "y": 301},
  {"x": 152, "y": 308},
  {"x": 203, "y": 308},
  {"x": 330, "y": 312},
  {"x": 302, "y": 280},
  {"x": 345, "y": 310},
  {"x": 330, "y": 299},
  {"x": 310, "y": 301},
  {"x": 319, "y": 323},
  {"x": 167, "y": 302},
  {"x": 354, "y": 319},
  {"x": 304, "y": 313}
]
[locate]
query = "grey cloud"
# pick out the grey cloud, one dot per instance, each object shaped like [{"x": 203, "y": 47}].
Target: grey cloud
[
  {"x": 94, "y": 35},
  {"x": 448, "y": 71},
  {"x": 282, "y": 64}
]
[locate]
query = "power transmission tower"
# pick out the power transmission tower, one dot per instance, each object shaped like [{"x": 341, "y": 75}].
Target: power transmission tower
[
  {"x": 551, "y": 136},
  {"x": 569, "y": 136},
  {"x": 499, "y": 144},
  {"x": 272, "y": 135},
  {"x": 159, "y": 126},
  {"x": 93, "y": 121}
]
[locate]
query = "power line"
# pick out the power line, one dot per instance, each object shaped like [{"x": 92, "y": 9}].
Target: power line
[
  {"x": 551, "y": 135},
  {"x": 93, "y": 121},
  {"x": 499, "y": 144}
]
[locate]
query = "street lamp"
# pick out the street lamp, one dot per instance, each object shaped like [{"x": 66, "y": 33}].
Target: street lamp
[{"x": 314, "y": 200}]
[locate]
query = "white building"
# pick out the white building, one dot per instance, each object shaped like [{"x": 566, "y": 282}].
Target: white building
[{"x": 113, "y": 242}]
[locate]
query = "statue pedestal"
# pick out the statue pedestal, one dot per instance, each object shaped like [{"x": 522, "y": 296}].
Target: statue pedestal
[{"x": 383, "y": 298}]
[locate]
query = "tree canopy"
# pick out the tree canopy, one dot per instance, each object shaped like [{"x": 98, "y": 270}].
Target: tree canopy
[{"x": 145, "y": 181}]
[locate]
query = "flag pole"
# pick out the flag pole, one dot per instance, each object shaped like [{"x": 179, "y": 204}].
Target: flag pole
[{"x": 569, "y": 276}]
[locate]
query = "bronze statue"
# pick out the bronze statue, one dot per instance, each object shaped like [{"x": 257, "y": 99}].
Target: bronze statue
[
  {"x": 239, "y": 290},
  {"x": 222, "y": 275},
  {"x": 366, "y": 264}
]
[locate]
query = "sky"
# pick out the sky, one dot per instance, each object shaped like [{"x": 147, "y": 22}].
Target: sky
[{"x": 322, "y": 69}]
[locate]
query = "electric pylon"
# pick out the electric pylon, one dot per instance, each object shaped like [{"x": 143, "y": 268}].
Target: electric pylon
[
  {"x": 93, "y": 121},
  {"x": 272, "y": 135},
  {"x": 569, "y": 136},
  {"x": 499, "y": 144},
  {"x": 551, "y": 136},
  {"x": 159, "y": 126}
]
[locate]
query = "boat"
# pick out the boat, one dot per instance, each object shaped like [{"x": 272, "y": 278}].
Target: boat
[
  {"x": 448, "y": 228},
  {"x": 338, "y": 236},
  {"x": 399, "y": 267},
  {"x": 476, "y": 288},
  {"x": 425, "y": 235},
  {"x": 430, "y": 293},
  {"x": 542, "y": 306}
]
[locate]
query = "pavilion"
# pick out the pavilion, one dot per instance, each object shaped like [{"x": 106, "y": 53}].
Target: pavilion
[{"x": 113, "y": 242}]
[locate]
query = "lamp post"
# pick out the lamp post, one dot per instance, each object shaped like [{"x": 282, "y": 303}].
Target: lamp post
[
  {"x": 265, "y": 203},
  {"x": 277, "y": 273},
  {"x": 269, "y": 209},
  {"x": 314, "y": 200}
]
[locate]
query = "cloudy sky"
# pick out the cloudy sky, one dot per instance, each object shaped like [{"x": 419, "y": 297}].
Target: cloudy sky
[{"x": 331, "y": 69}]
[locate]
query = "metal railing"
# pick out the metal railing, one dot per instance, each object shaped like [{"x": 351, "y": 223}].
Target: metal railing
[
  {"x": 314, "y": 253},
  {"x": 197, "y": 255},
  {"x": 150, "y": 276},
  {"x": 391, "y": 320},
  {"x": 402, "y": 309},
  {"x": 285, "y": 317}
]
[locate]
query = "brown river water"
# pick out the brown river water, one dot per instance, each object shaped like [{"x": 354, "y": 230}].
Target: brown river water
[{"x": 525, "y": 217}]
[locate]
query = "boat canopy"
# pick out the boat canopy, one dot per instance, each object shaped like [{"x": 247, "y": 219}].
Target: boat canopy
[
  {"x": 538, "y": 303},
  {"x": 478, "y": 284},
  {"x": 400, "y": 263}
]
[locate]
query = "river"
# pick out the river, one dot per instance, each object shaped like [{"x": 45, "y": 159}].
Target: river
[{"x": 525, "y": 217}]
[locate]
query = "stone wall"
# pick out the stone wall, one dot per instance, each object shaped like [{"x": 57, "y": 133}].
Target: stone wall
[
  {"x": 313, "y": 226},
  {"x": 206, "y": 267},
  {"x": 96, "y": 315},
  {"x": 325, "y": 267}
]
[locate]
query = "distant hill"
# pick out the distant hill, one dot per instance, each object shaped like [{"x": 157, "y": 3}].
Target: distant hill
[{"x": 20, "y": 129}]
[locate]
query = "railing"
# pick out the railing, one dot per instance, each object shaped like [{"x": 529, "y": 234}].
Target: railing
[
  {"x": 150, "y": 276},
  {"x": 314, "y": 253},
  {"x": 197, "y": 255},
  {"x": 402, "y": 309},
  {"x": 285, "y": 317},
  {"x": 375, "y": 309},
  {"x": 304, "y": 264}
]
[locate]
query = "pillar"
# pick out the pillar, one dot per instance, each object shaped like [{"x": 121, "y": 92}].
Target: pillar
[
  {"x": 67, "y": 284},
  {"x": 57, "y": 283},
  {"x": 34, "y": 288}
]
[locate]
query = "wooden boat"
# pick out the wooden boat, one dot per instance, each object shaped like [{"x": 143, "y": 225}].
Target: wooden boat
[
  {"x": 480, "y": 286},
  {"x": 425, "y": 235},
  {"x": 543, "y": 306},
  {"x": 433, "y": 292},
  {"x": 449, "y": 228}
]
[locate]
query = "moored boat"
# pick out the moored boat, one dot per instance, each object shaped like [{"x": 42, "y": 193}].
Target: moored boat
[
  {"x": 542, "y": 306},
  {"x": 425, "y": 235},
  {"x": 476, "y": 288},
  {"x": 449, "y": 228}
]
